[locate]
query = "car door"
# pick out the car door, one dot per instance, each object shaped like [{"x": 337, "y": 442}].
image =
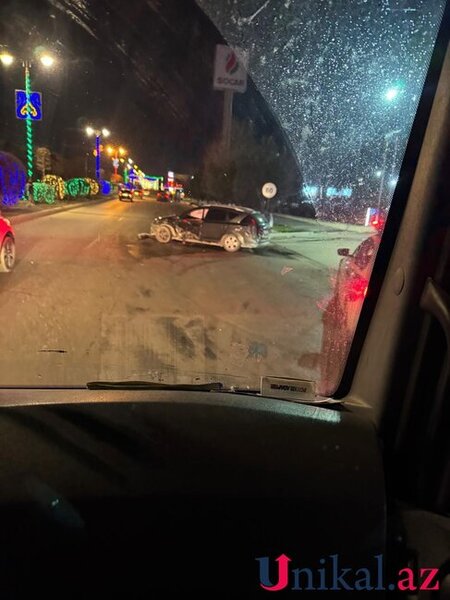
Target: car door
[
  {"x": 214, "y": 224},
  {"x": 191, "y": 222}
]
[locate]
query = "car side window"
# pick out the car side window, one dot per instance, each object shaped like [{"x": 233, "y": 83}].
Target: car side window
[
  {"x": 232, "y": 215},
  {"x": 216, "y": 215},
  {"x": 198, "y": 213},
  {"x": 248, "y": 220}
]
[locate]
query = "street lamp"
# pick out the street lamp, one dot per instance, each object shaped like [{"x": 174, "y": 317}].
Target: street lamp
[
  {"x": 90, "y": 131},
  {"x": 7, "y": 59},
  {"x": 47, "y": 60},
  {"x": 391, "y": 94}
]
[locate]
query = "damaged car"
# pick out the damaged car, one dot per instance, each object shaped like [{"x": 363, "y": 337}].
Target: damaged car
[{"x": 230, "y": 227}]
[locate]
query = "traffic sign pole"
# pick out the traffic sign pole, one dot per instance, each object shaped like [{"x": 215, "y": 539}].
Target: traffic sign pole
[{"x": 28, "y": 123}]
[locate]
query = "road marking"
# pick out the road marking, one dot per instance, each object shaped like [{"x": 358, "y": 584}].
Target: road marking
[{"x": 97, "y": 239}]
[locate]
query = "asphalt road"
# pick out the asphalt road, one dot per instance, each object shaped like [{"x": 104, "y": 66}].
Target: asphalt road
[{"x": 88, "y": 300}]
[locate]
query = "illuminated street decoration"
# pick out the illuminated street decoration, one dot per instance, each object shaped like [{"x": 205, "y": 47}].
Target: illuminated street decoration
[
  {"x": 333, "y": 192},
  {"x": 98, "y": 147},
  {"x": 43, "y": 192},
  {"x": 311, "y": 190},
  {"x": 106, "y": 187},
  {"x": 152, "y": 182},
  {"x": 78, "y": 187},
  {"x": 12, "y": 179},
  {"x": 58, "y": 183},
  {"x": 29, "y": 126},
  {"x": 28, "y": 103},
  {"x": 94, "y": 188}
]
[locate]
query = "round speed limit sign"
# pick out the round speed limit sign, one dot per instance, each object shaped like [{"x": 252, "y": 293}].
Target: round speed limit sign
[{"x": 269, "y": 190}]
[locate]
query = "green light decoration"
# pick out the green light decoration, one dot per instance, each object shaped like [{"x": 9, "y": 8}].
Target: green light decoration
[
  {"x": 43, "y": 192},
  {"x": 94, "y": 188},
  {"x": 29, "y": 125},
  {"x": 57, "y": 183},
  {"x": 78, "y": 186}
]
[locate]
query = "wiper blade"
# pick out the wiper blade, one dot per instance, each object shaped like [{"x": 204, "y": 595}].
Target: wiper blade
[{"x": 153, "y": 385}]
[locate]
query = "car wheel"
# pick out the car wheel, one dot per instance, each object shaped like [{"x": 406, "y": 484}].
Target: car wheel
[
  {"x": 7, "y": 254},
  {"x": 231, "y": 243},
  {"x": 163, "y": 234}
]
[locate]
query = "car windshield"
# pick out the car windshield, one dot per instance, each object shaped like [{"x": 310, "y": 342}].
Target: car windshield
[{"x": 297, "y": 110}]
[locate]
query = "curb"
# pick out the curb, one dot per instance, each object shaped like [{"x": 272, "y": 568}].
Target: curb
[
  {"x": 50, "y": 211},
  {"x": 315, "y": 236},
  {"x": 328, "y": 224}
]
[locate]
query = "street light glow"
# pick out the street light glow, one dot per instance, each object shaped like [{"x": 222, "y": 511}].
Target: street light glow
[
  {"x": 122, "y": 151},
  {"x": 393, "y": 181},
  {"x": 105, "y": 132},
  {"x": 378, "y": 173},
  {"x": 110, "y": 150},
  {"x": 391, "y": 94},
  {"x": 47, "y": 60},
  {"x": 90, "y": 131},
  {"x": 6, "y": 58}
]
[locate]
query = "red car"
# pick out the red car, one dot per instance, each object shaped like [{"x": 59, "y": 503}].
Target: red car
[
  {"x": 163, "y": 196},
  {"x": 342, "y": 311},
  {"x": 8, "y": 246}
]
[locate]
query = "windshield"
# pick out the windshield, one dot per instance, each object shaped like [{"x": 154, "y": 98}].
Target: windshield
[{"x": 299, "y": 110}]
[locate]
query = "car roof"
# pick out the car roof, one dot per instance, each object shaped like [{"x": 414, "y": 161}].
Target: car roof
[{"x": 228, "y": 207}]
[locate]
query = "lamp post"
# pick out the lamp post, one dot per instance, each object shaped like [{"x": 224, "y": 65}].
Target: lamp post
[
  {"x": 47, "y": 61},
  {"x": 390, "y": 96},
  {"x": 90, "y": 131}
]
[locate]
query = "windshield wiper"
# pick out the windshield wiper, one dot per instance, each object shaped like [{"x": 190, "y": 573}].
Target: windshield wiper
[{"x": 153, "y": 385}]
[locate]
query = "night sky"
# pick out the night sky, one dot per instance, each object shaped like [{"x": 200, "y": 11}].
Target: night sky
[{"x": 143, "y": 69}]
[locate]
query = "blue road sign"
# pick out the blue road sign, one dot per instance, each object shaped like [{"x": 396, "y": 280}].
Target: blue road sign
[{"x": 32, "y": 108}]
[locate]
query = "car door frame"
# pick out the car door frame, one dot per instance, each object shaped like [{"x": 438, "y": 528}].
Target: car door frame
[{"x": 219, "y": 226}]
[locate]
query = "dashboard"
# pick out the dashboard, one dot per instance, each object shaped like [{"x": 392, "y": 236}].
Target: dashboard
[{"x": 136, "y": 492}]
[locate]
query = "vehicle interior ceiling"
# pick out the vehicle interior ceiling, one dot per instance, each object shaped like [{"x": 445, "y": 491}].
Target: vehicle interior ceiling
[
  {"x": 244, "y": 477},
  {"x": 398, "y": 370}
]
